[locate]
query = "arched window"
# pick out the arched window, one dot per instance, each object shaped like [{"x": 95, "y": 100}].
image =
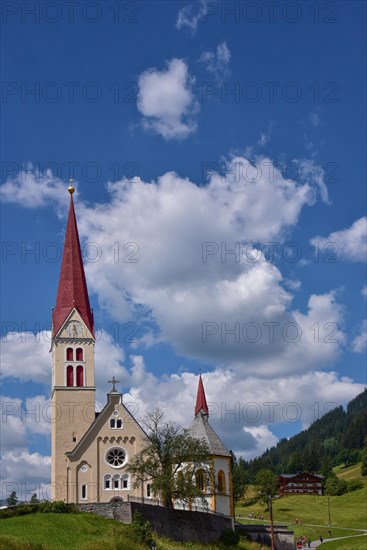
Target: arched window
[
  {"x": 79, "y": 354},
  {"x": 107, "y": 481},
  {"x": 79, "y": 376},
  {"x": 221, "y": 482},
  {"x": 69, "y": 354},
  {"x": 200, "y": 478},
  {"x": 125, "y": 481},
  {"x": 69, "y": 376},
  {"x": 116, "y": 482},
  {"x": 148, "y": 490},
  {"x": 84, "y": 492}
]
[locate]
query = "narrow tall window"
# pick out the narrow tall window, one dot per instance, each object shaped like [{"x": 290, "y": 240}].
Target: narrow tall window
[
  {"x": 200, "y": 480},
  {"x": 79, "y": 376},
  {"x": 125, "y": 481},
  {"x": 107, "y": 482},
  {"x": 69, "y": 376},
  {"x": 70, "y": 354},
  {"x": 84, "y": 492},
  {"x": 148, "y": 490},
  {"x": 79, "y": 354},
  {"x": 221, "y": 482}
]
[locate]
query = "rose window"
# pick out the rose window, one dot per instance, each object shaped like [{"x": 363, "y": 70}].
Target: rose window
[{"x": 116, "y": 457}]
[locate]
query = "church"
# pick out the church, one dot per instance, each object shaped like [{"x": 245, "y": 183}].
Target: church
[{"x": 90, "y": 450}]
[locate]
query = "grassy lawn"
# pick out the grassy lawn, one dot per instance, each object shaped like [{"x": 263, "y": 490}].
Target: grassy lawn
[
  {"x": 350, "y": 472},
  {"x": 347, "y": 512},
  {"x": 358, "y": 543},
  {"x": 82, "y": 532}
]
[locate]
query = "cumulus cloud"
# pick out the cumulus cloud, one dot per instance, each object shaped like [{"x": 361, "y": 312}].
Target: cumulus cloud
[
  {"x": 26, "y": 356},
  {"x": 360, "y": 341},
  {"x": 217, "y": 62},
  {"x": 189, "y": 19},
  {"x": 32, "y": 189},
  {"x": 202, "y": 283},
  {"x": 25, "y": 473},
  {"x": 243, "y": 410},
  {"x": 167, "y": 102},
  {"x": 350, "y": 243}
]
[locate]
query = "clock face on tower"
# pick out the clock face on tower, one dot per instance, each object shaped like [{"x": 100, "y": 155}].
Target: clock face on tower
[{"x": 74, "y": 329}]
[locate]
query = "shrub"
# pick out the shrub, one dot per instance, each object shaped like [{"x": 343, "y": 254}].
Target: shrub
[
  {"x": 354, "y": 485},
  {"x": 56, "y": 507},
  {"x": 142, "y": 529},
  {"x": 9, "y": 544},
  {"x": 229, "y": 537}
]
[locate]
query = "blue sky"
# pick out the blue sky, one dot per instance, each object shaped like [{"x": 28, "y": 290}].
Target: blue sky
[{"x": 190, "y": 131}]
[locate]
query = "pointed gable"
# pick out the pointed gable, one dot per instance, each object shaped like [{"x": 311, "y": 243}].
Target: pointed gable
[
  {"x": 201, "y": 404},
  {"x": 72, "y": 291}
]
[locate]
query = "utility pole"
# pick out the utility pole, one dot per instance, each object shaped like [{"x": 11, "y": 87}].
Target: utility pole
[
  {"x": 271, "y": 523},
  {"x": 328, "y": 507}
]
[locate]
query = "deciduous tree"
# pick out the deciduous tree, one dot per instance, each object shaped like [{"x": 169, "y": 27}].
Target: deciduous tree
[{"x": 170, "y": 461}]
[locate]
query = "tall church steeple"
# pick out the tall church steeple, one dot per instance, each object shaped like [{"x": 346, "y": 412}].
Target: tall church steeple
[
  {"x": 73, "y": 389},
  {"x": 72, "y": 291},
  {"x": 201, "y": 405}
]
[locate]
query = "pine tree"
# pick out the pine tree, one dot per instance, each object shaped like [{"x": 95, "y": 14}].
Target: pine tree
[{"x": 12, "y": 499}]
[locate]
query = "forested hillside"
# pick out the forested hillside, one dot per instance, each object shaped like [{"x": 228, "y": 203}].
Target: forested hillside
[{"x": 336, "y": 438}]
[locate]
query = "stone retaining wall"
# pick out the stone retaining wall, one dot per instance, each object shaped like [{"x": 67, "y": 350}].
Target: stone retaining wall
[
  {"x": 181, "y": 525},
  {"x": 284, "y": 539}
]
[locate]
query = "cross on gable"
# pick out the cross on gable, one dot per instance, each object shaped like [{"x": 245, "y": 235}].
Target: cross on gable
[{"x": 113, "y": 382}]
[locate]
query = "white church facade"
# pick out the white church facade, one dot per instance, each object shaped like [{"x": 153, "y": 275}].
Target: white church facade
[{"x": 91, "y": 451}]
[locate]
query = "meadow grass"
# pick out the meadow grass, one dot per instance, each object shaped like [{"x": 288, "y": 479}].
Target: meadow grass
[
  {"x": 85, "y": 532},
  {"x": 356, "y": 543}
]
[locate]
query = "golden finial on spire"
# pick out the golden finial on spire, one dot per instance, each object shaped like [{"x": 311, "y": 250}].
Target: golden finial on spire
[{"x": 71, "y": 188}]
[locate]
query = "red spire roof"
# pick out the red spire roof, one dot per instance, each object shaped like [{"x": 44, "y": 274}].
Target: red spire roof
[
  {"x": 201, "y": 404},
  {"x": 72, "y": 291}
]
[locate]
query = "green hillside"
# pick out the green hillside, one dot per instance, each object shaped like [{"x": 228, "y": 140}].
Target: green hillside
[
  {"x": 82, "y": 532},
  {"x": 339, "y": 437},
  {"x": 346, "y": 512}
]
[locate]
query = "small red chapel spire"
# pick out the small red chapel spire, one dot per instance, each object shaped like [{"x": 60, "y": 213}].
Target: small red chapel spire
[
  {"x": 201, "y": 404},
  {"x": 72, "y": 291}
]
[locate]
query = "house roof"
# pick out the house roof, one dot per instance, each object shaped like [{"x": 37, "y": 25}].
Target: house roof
[
  {"x": 289, "y": 476},
  {"x": 72, "y": 291}
]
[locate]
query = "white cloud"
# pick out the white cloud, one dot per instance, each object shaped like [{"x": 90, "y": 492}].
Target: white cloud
[
  {"x": 243, "y": 410},
  {"x": 217, "y": 63},
  {"x": 176, "y": 289},
  {"x": 25, "y": 473},
  {"x": 350, "y": 243},
  {"x": 26, "y": 356},
  {"x": 360, "y": 341},
  {"x": 364, "y": 291},
  {"x": 32, "y": 189},
  {"x": 167, "y": 102},
  {"x": 189, "y": 20}
]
